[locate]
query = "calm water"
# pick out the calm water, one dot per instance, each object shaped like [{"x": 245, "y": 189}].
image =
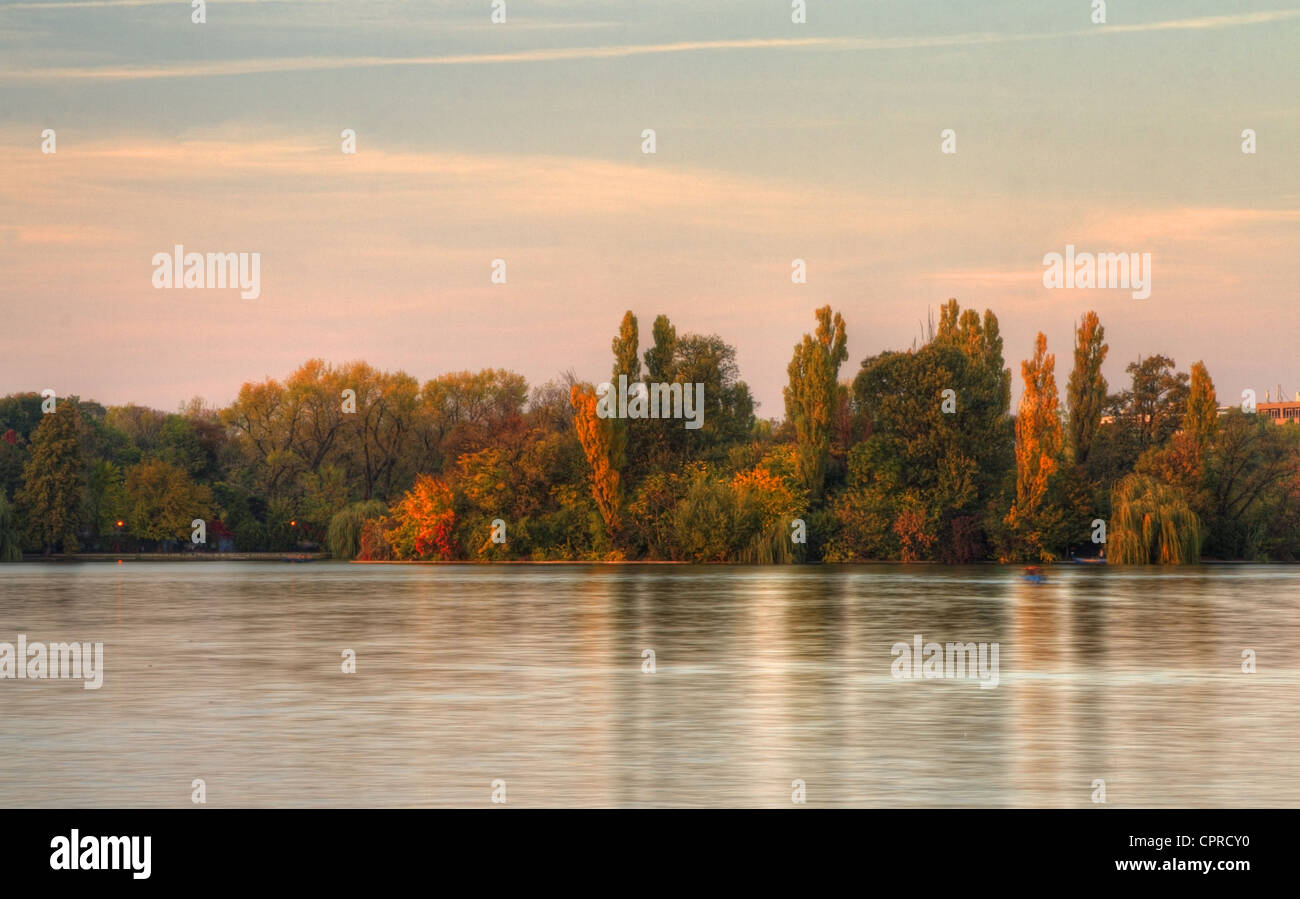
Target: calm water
[{"x": 230, "y": 672}]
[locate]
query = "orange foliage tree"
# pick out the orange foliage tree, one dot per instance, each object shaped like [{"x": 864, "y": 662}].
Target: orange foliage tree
[
  {"x": 598, "y": 441},
  {"x": 423, "y": 522},
  {"x": 1033, "y": 519}
]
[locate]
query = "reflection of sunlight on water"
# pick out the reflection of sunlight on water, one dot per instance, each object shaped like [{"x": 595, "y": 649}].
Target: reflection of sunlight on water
[{"x": 763, "y": 676}]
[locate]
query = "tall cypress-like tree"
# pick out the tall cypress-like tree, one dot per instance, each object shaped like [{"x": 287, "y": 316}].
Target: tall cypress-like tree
[
  {"x": 624, "y": 346},
  {"x": 596, "y": 434},
  {"x": 54, "y": 481},
  {"x": 659, "y": 358},
  {"x": 1039, "y": 440},
  {"x": 626, "y": 362},
  {"x": 1087, "y": 387},
  {"x": 810, "y": 397},
  {"x": 1201, "y": 420}
]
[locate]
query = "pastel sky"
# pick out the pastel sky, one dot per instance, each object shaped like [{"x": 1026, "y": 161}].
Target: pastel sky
[{"x": 522, "y": 141}]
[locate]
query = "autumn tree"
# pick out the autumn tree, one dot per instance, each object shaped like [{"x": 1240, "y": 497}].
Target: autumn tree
[
  {"x": 810, "y": 396},
  {"x": 596, "y": 435},
  {"x": 162, "y": 501},
  {"x": 54, "y": 481},
  {"x": 1034, "y": 521},
  {"x": 423, "y": 522},
  {"x": 1087, "y": 387},
  {"x": 1151, "y": 523},
  {"x": 624, "y": 347},
  {"x": 1201, "y": 420}
]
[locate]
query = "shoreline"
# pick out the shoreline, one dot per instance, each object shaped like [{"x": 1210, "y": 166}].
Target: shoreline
[{"x": 298, "y": 557}]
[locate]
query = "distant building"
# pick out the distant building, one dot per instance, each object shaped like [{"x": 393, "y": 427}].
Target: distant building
[{"x": 1281, "y": 413}]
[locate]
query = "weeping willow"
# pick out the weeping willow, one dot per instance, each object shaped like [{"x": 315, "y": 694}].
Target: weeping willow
[
  {"x": 1151, "y": 523},
  {"x": 768, "y": 547},
  {"x": 10, "y": 550},
  {"x": 344, "y": 535}
]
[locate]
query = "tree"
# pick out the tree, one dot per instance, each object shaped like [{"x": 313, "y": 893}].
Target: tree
[
  {"x": 810, "y": 396},
  {"x": 624, "y": 346},
  {"x": 1201, "y": 419},
  {"x": 928, "y": 477},
  {"x": 11, "y": 549},
  {"x": 728, "y": 405},
  {"x": 1247, "y": 472},
  {"x": 1034, "y": 520},
  {"x": 344, "y": 535},
  {"x": 162, "y": 501},
  {"x": 659, "y": 358},
  {"x": 1087, "y": 386},
  {"x": 1152, "y": 408},
  {"x": 54, "y": 481},
  {"x": 423, "y": 522},
  {"x": 597, "y": 437},
  {"x": 1151, "y": 523},
  {"x": 106, "y": 500}
]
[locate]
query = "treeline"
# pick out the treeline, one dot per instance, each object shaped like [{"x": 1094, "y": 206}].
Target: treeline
[{"x": 917, "y": 458}]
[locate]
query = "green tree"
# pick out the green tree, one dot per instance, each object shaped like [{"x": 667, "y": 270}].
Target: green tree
[
  {"x": 659, "y": 358},
  {"x": 810, "y": 396},
  {"x": 728, "y": 404},
  {"x": 344, "y": 535},
  {"x": 1087, "y": 387},
  {"x": 54, "y": 481},
  {"x": 1152, "y": 408},
  {"x": 1249, "y": 468},
  {"x": 10, "y": 542},
  {"x": 106, "y": 500}
]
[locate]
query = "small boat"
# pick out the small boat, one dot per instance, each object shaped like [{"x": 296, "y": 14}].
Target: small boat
[
  {"x": 1099, "y": 560},
  {"x": 1034, "y": 575}
]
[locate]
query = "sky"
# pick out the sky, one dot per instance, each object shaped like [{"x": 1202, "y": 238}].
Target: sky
[{"x": 522, "y": 141}]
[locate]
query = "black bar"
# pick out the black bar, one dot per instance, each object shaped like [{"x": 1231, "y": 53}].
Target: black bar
[{"x": 656, "y": 848}]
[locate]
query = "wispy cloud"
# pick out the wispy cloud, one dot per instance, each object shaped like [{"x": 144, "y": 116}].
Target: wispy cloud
[{"x": 561, "y": 54}]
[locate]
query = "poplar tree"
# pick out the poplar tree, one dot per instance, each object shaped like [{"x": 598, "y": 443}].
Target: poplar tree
[
  {"x": 626, "y": 362},
  {"x": 624, "y": 347},
  {"x": 596, "y": 435},
  {"x": 810, "y": 397},
  {"x": 1087, "y": 387},
  {"x": 1201, "y": 420},
  {"x": 1039, "y": 440}
]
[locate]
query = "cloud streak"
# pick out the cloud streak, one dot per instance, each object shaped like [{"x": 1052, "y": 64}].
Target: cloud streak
[{"x": 236, "y": 67}]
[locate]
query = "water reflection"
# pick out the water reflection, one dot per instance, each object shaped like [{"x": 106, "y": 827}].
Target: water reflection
[{"x": 534, "y": 675}]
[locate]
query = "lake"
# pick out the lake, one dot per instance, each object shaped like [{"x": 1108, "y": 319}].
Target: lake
[{"x": 537, "y": 675}]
